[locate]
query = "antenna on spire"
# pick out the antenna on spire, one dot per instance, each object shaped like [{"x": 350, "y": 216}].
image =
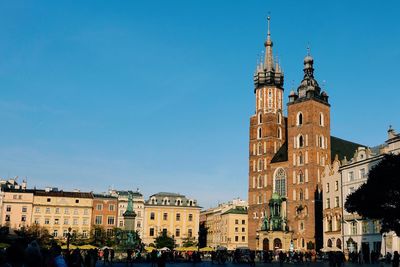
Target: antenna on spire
[{"x": 308, "y": 49}]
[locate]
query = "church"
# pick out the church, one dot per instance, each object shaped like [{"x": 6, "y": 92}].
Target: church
[{"x": 287, "y": 155}]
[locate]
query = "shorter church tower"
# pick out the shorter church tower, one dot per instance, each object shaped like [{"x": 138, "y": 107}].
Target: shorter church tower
[{"x": 308, "y": 153}]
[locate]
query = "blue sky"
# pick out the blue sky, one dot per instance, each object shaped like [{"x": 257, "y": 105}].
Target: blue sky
[{"x": 157, "y": 95}]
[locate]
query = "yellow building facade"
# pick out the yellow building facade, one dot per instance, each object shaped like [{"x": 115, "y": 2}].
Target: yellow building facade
[
  {"x": 172, "y": 213},
  {"x": 59, "y": 211},
  {"x": 16, "y": 208}
]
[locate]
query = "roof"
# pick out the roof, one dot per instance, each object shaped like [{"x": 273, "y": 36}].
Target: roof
[
  {"x": 104, "y": 196},
  {"x": 63, "y": 194},
  {"x": 167, "y": 194},
  {"x": 282, "y": 154},
  {"x": 171, "y": 199},
  {"x": 129, "y": 192},
  {"x": 236, "y": 210},
  {"x": 343, "y": 148}
]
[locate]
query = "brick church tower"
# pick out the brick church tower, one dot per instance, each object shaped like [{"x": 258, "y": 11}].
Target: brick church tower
[
  {"x": 267, "y": 131},
  {"x": 286, "y": 158}
]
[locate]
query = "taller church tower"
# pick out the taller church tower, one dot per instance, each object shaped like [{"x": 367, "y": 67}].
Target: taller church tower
[{"x": 267, "y": 134}]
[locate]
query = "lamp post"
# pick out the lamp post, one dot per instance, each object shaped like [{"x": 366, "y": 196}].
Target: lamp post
[{"x": 68, "y": 237}]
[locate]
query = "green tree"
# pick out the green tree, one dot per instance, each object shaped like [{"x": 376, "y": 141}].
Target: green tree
[
  {"x": 164, "y": 240},
  {"x": 379, "y": 197},
  {"x": 189, "y": 242}
]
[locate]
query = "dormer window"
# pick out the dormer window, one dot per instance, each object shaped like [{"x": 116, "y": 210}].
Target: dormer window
[{"x": 153, "y": 201}]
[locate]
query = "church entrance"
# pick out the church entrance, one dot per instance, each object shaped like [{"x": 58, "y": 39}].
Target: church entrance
[
  {"x": 277, "y": 243},
  {"x": 266, "y": 244}
]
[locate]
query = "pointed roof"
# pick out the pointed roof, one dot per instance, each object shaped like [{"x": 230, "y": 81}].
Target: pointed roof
[{"x": 267, "y": 71}]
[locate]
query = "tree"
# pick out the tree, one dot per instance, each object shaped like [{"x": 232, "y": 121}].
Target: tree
[
  {"x": 379, "y": 197},
  {"x": 163, "y": 240},
  {"x": 189, "y": 242}
]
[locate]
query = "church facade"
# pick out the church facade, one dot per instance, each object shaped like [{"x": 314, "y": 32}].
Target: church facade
[{"x": 287, "y": 155}]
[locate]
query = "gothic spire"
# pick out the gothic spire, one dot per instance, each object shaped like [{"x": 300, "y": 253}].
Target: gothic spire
[{"x": 269, "y": 59}]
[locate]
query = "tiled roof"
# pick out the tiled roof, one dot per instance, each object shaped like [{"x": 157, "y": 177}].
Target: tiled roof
[
  {"x": 236, "y": 210},
  {"x": 343, "y": 148},
  {"x": 63, "y": 194}
]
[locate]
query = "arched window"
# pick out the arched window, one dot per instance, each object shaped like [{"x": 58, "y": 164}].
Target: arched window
[
  {"x": 301, "y": 141},
  {"x": 301, "y": 177},
  {"x": 321, "y": 119},
  {"x": 259, "y": 182},
  {"x": 259, "y": 133},
  {"x": 279, "y": 118},
  {"x": 329, "y": 243},
  {"x": 301, "y": 195},
  {"x": 165, "y": 201},
  {"x": 301, "y": 159},
  {"x": 338, "y": 243},
  {"x": 260, "y": 164},
  {"x": 259, "y": 118},
  {"x": 178, "y": 202},
  {"x": 280, "y": 182},
  {"x": 299, "y": 119},
  {"x": 259, "y": 148}
]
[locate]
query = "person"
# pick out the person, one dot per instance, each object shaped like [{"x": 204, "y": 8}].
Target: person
[
  {"x": 252, "y": 258},
  {"x": 395, "y": 260},
  {"x": 112, "y": 255},
  {"x": 105, "y": 255}
]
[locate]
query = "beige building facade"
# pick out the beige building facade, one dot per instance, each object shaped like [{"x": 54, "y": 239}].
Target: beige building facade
[
  {"x": 16, "y": 210},
  {"x": 57, "y": 211},
  {"x": 227, "y": 224},
  {"x": 172, "y": 213}
]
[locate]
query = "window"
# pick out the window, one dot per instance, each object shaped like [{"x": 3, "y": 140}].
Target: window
[
  {"x": 56, "y": 221},
  {"x": 55, "y": 233},
  {"x": 46, "y": 221},
  {"x": 7, "y": 219},
  {"x": 178, "y": 202},
  {"x": 49, "y": 200},
  {"x": 57, "y": 210},
  {"x": 47, "y": 210},
  {"x": 328, "y": 203},
  {"x": 299, "y": 119},
  {"x": 259, "y": 148},
  {"x": 121, "y": 223},
  {"x": 23, "y": 218},
  {"x": 165, "y": 216},
  {"x": 280, "y": 182},
  {"x": 75, "y": 211},
  {"x": 75, "y": 221},
  {"x": 85, "y": 212},
  {"x": 329, "y": 225},
  {"x": 152, "y": 215},
  {"x": 362, "y": 173},
  {"x": 36, "y": 221},
  {"x": 99, "y": 219},
  {"x": 353, "y": 228},
  {"x": 301, "y": 141},
  {"x": 111, "y": 207},
  {"x": 66, "y": 211},
  {"x": 178, "y": 217},
  {"x": 99, "y": 206},
  {"x": 327, "y": 187},
  {"x": 279, "y": 133},
  {"x": 236, "y": 238},
  {"x": 76, "y": 200},
  {"x": 279, "y": 118},
  {"x": 351, "y": 176},
  {"x": 151, "y": 232},
  {"x": 301, "y": 177},
  {"x": 66, "y": 221},
  {"x": 243, "y": 238},
  {"x": 190, "y": 232},
  {"x": 301, "y": 159},
  {"x": 243, "y": 221},
  {"x": 139, "y": 224},
  {"x": 336, "y": 185},
  {"x": 85, "y": 233},
  {"x": 243, "y": 229},
  {"x": 301, "y": 226},
  {"x": 24, "y": 208},
  {"x": 321, "y": 119},
  {"x": 8, "y": 208},
  {"x": 259, "y": 133},
  {"x": 301, "y": 195},
  {"x": 259, "y": 118},
  {"x": 236, "y": 229},
  {"x": 336, "y": 202},
  {"x": 37, "y": 210},
  {"x": 110, "y": 220},
  {"x": 236, "y": 221},
  {"x": 190, "y": 217},
  {"x": 260, "y": 164},
  {"x": 365, "y": 228}
]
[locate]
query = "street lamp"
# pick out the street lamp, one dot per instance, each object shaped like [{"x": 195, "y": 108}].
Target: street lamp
[{"x": 68, "y": 237}]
